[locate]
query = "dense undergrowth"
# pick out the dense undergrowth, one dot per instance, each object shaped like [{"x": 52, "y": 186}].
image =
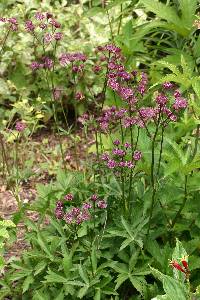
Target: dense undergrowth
[{"x": 124, "y": 223}]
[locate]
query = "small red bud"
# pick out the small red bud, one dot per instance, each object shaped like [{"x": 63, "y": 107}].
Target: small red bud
[
  {"x": 184, "y": 263},
  {"x": 176, "y": 265}
]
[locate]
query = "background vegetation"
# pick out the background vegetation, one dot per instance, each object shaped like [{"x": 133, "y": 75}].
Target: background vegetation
[{"x": 99, "y": 112}]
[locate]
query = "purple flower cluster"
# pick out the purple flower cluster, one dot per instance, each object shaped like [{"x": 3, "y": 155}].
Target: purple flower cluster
[
  {"x": 43, "y": 21},
  {"x": 180, "y": 103},
  {"x": 79, "y": 96},
  {"x": 67, "y": 58},
  {"x": 12, "y": 22},
  {"x": 20, "y": 126},
  {"x": 69, "y": 197},
  {"x": 46, "y": 63},
  {"x": 142, "y": 86},
  {"x": 83, "y": 119},
  {"x": 56, "y": 93},
  {"x": 117, "y": 160},
  {"x": 59, "y": 210},
  {"x": 77, "y": 215}
]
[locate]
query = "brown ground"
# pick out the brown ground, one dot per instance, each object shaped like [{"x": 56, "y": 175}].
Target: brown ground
[{"x": 8, "y": 204}]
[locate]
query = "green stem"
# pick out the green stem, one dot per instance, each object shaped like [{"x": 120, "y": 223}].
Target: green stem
[
  {"x": 152, "y": 179},
  {"x": 133, "y": 150},
  {"x": 183, "y": 203},
  {"x": 161, "y": 149},
  {"x": 110, "y": 26},
  {"x": 4, "y": 41},
  {"x": 120, "y": 19},
  {"x": 196, "y": 142}
]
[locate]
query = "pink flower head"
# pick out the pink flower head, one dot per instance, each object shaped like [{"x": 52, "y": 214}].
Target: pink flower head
[
  {"x": 101, "y": 204},
  {"x": 58, "y": 36},
  {"x": 112, "y": 48},
  {"x": 29, "y": 26},
  {"x": 168, "y": 85},
  {"x": 69, "y": 197},
  {"x": 59, "y": 210},
  {"x": 20, "y": 126},
  {"x": 56, "y": 93},
  {"x": 35, "y": 65},
  {"x": 87, "y": 205},
  {"x": 54, "y": 23},
  {"x": 125, "y": 92},
  {"x": 43, "y": 26},
  {"x": 97, "y": 68},
  {"x": 116, "y": 142},
  {"x": 75, "y": 211},
  {"x": 129, "y": 164},
  {"x": 78, "y": 69},
  {"x": 180, "y": 103},
  {"x": 137, "y": 155},
  {"x": 39, "y": 16},
  {"x": 161, "y": 99},
  {"x": 83, "y": 216},
  {"x": 68, "y": 217},
  {"x": 105, "y": 156},
  {"x": 48, "y": 63},
  {"x": 3, "y": 20},
  {"x": 83, "y": 118},
  {"x": 79, "y": 96},
  {"x": 111, "y": 164},
  {"x": 124, "y": 75},
  {"x": 119, "y": 152},
  {"x": 147, "y": 113},
  {"x": 177, "y": 94},
  {"x": 113, "y": 84},
  {"x": 13, "y": 24},
  {"x": 94, "y": 197},
  {"x": 48, "y": 38},
  {"x": 127, "y": 145},
  {"x": 49, "y": 15}
]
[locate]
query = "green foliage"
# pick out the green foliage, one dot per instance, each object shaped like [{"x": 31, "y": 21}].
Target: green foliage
[{"x": 121, "y": 251}]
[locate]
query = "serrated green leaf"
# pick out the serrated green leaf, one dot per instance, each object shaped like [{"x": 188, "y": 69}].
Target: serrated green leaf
[{"x": 27, "y": 282}]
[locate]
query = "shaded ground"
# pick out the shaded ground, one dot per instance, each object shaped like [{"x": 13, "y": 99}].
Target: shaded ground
[{"x": 44, "y": 152}]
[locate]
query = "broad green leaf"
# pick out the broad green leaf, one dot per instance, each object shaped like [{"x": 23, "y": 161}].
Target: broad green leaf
[
  {"x": 120, "y": 279},
  {"x": 138, "y": 282},
  {"x": 83, "y": 274},
  {"x": 174, "y": 289},
  {"x": 7, "y": 223},
  {"x": 26, "y": 284},
  {"x": 94, "y": 259},
  {"x": 44, "y": 247},
  {"x": 179, "y": 252},
  {"x": 82, "y": 291},
  {"x": 97, "y": 295},
  {"x": 67, "y": 263},
  {"x": 167, "y": 13},
  {"x": 188, "y": 9},
  {"x": 40, "y": 267}
]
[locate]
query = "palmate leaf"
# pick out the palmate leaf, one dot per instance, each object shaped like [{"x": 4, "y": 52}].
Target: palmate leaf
[
  {"x": 161, "y": 297},
  {"x": 163, "y": 11},
  {"x": 174, "y": 289},
  {"x": 188, "y": 9},
  {"x": 138, "y": 282},
  {"x": 167, "y": 13},
  {"x": 27, "y": 282}
]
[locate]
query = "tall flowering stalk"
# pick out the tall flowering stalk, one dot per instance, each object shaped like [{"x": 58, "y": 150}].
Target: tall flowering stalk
[
  {"x": 44, "y": 32},
  {"x": 132, "y": 89}
]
